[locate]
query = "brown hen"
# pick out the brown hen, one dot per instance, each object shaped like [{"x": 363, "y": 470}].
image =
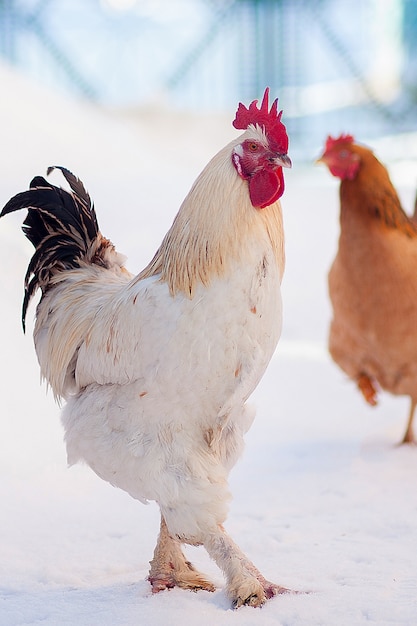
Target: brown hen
[{"x": 373, "y": 279}]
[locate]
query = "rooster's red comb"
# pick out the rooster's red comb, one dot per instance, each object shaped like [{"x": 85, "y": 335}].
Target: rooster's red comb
[
  {"x": 270, "y": 119},
  {"x": 332, "y": 142}
]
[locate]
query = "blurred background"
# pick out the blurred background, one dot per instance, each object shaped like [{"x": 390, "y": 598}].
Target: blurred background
[{"x": 336, "y": 65}]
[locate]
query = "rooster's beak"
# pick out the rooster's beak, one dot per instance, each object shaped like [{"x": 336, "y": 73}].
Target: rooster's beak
[{"x": 283, "y": 160}]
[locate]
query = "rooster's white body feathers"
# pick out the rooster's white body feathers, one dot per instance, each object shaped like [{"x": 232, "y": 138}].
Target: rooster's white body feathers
[
  {"x": 156, "y": 369},
  {"x": 156, "y": 382}
]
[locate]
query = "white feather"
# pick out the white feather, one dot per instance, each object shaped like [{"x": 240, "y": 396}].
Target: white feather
[{"x": 157, "y": 369}]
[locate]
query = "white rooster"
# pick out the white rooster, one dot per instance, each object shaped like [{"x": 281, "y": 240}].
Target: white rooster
[{"x": 156, "y": 368}]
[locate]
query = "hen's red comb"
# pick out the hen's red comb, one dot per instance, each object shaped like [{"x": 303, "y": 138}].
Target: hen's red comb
[
  {"x": 270, "y": 119},
  {"x": 332, "y": 142}
]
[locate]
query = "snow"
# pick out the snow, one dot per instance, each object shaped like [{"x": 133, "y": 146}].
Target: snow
[{"x": 324, "y": 500}]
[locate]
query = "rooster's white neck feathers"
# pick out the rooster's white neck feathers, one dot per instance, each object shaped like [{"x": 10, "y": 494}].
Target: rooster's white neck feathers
[{"x": 214, "y": 228}]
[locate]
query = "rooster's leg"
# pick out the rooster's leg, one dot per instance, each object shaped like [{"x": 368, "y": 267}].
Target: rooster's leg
[
  {"x": 245, "y": 584},
  {"x": 409, "y": 435},
  {"x": 169, "y": 567}
]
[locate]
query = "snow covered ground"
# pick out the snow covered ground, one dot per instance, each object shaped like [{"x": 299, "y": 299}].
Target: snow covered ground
[{"x": 324, "y": 501}]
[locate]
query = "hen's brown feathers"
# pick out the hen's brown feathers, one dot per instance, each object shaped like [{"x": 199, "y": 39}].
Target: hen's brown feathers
[
  {"x": 372, "y": 193},
  {"x": 373, "y": 280}
]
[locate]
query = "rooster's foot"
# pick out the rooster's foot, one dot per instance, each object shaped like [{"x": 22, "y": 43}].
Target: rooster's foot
[
  {"x": 271, "y": 589},
  {"x": 246, "y": 592},
  {"x": 254, "y": 592},
  {"x": 185, "y": 578},
  {"x": 170, "y": 568}
]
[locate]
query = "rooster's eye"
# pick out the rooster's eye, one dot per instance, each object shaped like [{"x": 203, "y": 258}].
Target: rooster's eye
[
  {"x": 343, "y": 154},
  {"x": 253, "y": 147}
]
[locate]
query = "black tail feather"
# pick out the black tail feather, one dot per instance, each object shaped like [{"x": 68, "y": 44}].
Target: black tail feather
[
  {"x": 61, "y": 225},
  {"x": 82, "y": 197}
]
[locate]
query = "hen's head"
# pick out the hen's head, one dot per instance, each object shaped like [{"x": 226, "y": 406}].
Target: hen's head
[
  {"x": 341, "y": 157},
  {"x": 262, "y": 154}
]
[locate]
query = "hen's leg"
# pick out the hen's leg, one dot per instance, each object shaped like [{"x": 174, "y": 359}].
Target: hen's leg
[
  {"x": 169, "y": 567},
  {"x": 367, "y": 387},
  {"x": 409, "y": 435},
  {"x": 245, "y": 584}
]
